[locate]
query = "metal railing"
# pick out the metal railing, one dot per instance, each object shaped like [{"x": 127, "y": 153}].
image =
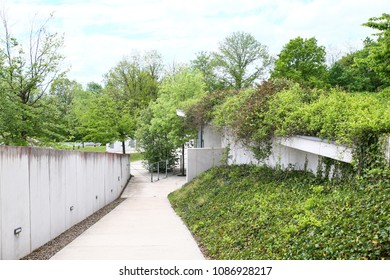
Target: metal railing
[{"x": 157, "y": 164}]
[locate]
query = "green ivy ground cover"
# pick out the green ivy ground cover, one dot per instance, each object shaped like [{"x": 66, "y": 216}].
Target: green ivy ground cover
[{"x": 249, "y": 212}]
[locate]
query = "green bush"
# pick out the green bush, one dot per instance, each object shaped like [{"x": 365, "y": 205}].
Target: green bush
[
  {"x": 281, "y": 108},
  {"x": 248, "y": 212}
]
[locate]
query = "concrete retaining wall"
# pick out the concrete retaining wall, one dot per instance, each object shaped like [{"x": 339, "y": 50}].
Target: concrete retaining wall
[
  {"x": 202, "y": 159},
  {"x": 44, "y": 192},
  {"x": 297, "y": 151}
]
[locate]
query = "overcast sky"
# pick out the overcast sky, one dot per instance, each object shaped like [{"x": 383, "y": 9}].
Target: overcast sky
[{"x": 98, "y": 33}]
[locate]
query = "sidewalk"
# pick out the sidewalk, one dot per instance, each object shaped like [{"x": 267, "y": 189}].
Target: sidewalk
[{"x": 143, "y": 227}]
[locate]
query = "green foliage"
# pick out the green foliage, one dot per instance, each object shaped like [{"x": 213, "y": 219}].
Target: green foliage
[
  {"x": 104, "y": 121},
  {"x": 367, "y": 69},
  {"x": 161, "y": 131},
  {"x": 25, "y": 76},
  {"x": 62, "y": 97},
  {"x": 110, "y": 113},
  {"x": 378, "y": 58},
  {"x": 152, "y": 139},
  {"x": 241, "y": 60},
  {"x": 281, "y": 108},
  {"x": 224, "y": 115},
  {"x": 358, "y": 120},
  {"x": 352, "y": 72},
  {"x": 302, "y": 61},
  {"x": 207, "y": 64},
  {"x": 136, "y": 157},
  {"x": 248, "y": 212},
  {"x": 201, "y": 111}
]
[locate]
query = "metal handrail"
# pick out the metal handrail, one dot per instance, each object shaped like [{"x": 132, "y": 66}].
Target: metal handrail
[{"x": 158, "y": 170}]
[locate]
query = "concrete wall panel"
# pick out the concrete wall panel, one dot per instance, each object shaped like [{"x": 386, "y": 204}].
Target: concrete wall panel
[
  {"x": 57, "y": 181},
  {"x": 45, "y": 192},
  {"x": 15, "y": 204},
  {"x": 71, "y": 184},
  {"x": 39, "y": 197},
  {"x": 110, "y": 181},
  {"x": 211, "y": 138},
  {"x": 202, "y": 159}
]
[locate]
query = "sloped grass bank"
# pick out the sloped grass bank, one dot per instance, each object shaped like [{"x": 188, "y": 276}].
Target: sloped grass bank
[{"x": 249, "y": 212}]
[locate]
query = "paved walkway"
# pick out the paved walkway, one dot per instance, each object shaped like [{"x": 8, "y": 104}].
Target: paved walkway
[{"x": 143, "y": 227}]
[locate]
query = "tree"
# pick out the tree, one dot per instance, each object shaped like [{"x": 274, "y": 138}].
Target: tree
[
  {"x": 10, "y": 122},
  {"x": 62, "y": 96},
  {"x": 346, "y": 73},
  {"x": 378, "y": 58},
  {"x": 129, "y": 87},
  {"x": 95, "y": 88},
  {"x": 26, "y": 77},
  {"x": 302, "y": 61},
  {"x": 64, "y": 91},
  {"x": 207, "y": 65},
  {"x": 241, "y": 60},
  {"x": 152, "y": 63},
  {"x": 160, "y": 131}
]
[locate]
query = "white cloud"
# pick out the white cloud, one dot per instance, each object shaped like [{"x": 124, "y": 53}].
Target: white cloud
[{"x": 99, "y": 33}]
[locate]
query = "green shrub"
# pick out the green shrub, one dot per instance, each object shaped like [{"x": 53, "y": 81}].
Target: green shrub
[
  {"x": 248, "y": 212},
  {"x": 281, "y": 108}
]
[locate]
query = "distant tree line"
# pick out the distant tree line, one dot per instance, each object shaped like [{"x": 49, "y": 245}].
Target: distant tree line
[{"x": 139, "y": 96}]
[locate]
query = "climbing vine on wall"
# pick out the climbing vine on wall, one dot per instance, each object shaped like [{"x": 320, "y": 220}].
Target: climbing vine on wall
[{"x": 281, "y": 108}]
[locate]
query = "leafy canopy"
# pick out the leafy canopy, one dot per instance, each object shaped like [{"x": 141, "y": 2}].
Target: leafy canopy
[
  {"x": 379, "y": 52},
  {"x": 25, "y": 77},
  {"x": 241, "y": 60},
  {"x": 302, "y": 61},
  {"x": 161, "y": 131}
]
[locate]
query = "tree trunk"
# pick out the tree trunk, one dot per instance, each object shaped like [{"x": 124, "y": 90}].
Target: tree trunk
[
  {"x": 123, "y": 147},
  {"x": 182, "y": 161}
]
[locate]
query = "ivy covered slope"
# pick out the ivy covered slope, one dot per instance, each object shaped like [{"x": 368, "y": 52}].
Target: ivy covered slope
[{"x": 248, "y": 212}]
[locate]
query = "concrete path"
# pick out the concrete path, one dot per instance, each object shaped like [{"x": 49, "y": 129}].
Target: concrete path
[{"x": 143, "y": 227}]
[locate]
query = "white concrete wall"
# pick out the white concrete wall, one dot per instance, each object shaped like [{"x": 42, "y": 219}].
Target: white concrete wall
[
  {"x": 211, "y": 137},
  {"x": 116, "y": 147},
  {"x": 296, "y": 151},
  {"x": 47, "y": 191},
  {"x": 202, "y": 159}
]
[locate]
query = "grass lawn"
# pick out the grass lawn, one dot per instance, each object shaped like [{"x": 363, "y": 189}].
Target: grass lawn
[
  {"x": 99, "y": 149},
  {"x": 136, "y": 157}
]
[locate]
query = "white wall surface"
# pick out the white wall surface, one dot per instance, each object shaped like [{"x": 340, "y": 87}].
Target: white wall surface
[
  {"x": 47, "y": 191},
  {"x": 117, "y": 148},
  {"x": 296, "y": 151},
  {"x": 202, "y": 159},
  {"x": 211, "y": 137}
]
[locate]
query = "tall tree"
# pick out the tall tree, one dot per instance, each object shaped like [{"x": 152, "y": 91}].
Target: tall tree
[
  {"x": 161, "y": 131},
  {"x": 95, "y": 88},
  {"x": 206, "y": 63},
  {"x": 303, "y": 61},
  {"x": 378, "y": 58},
  {"x": 353, "y": 73},
  {"x": 241, "y": 60},
  {"x": 129, "y": 87},
  {"x": 62, "y": 96},
  {"x": 26, "y": 76}
]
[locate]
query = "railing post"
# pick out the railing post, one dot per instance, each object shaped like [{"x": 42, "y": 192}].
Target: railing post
[
  {"x": 166, "y": 168},
  {"x": 151, "y": 173},
  {"x": 158, "y": 171}
]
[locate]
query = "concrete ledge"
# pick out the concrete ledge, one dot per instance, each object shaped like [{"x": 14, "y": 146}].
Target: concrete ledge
[{"x": 318, "y": 146}]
